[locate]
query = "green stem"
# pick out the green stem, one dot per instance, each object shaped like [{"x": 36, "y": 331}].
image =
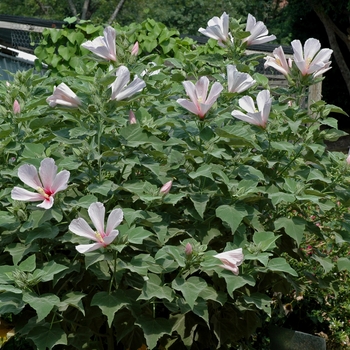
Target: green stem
[{"x": 113, "y": 272}]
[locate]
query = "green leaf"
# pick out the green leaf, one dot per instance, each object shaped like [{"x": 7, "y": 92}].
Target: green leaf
[
  {"x": 294, "y": 227},
  {"x": 234, "y": 282},
  {"x": 233, "y": 215},
  {"x": 190, "y": 288},
  {"x": 204, "y": 170},
  {"x": 86, "y": 201},
  {"x": 110, "y": 303},
  {"x": 343, "y": 264},
  {"x": 48, "y": 271},
  {"x": 137, "y": 235},
  {"x": 154, "y": 328},
  {"x": 29, "y": 264},
  {"x": 72, "y": 299},
  {"x": 11, "y": 303},
  {"x": 200, "y": 201},
  {"x": 154, "y": 288},
  {"x": 265, "y": 240},
  {"x": 326, "y": 263},
  {"x": 47, "y": 336},
  {"x": 261, "y": 301},
  {"x": 281, "y": 265},
  {"x": 102, "y": 188},
  {"x": 42, "y": 304}
]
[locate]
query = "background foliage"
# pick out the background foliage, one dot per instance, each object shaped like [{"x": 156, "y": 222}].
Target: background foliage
[{"x": 276, "y": 193}]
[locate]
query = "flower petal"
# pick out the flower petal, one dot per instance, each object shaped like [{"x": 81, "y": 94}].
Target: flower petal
[
  {"x": 20, "y": 194},
  {"x": 81, "y": 228},
  {"x": 47, "y": 172},
  {"x": 86, "y": 248},
  {"x": 60, "y": 182},
  {"x": 114, "y": 219},
  {"x": 111, "y": 237},
  {"x": 47, "y": 203},
  {"x": 29, "y": 175},
  {"x": 123, "y": 77},
  {"x": 97, "y": 214},
  {"x": 247, "y": 103}
]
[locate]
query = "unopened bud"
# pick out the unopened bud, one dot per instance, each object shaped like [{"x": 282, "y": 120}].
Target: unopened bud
[
  {"x": 132, "y": 118},
  {"x": 16, "y": 107},
  {"x": 166, "y": 187},
  {"x": 135, "y": 49},
  {"x": 188, "y": 249}
]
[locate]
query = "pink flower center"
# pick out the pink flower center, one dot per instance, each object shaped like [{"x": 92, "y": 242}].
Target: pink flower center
[
  {"x": 46, "y": 193},
  {"x": 100, "y": 237}
]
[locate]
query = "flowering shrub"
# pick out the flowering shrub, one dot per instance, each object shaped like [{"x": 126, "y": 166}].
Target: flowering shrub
[{"x": 211, "y": 196}]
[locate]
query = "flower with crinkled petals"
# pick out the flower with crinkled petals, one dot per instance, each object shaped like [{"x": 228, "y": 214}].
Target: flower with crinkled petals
[
  {"x": 64, "y": 96},
  {"x": 103, "y": 46},
  {"x": 120, "y": 89},
  {"x": 47, "y": 183},
  {"x": 255, "y": 116},
  {"x": 218, "y": 29},
  {"x": 231, "y": 259},
  {"x": 258, "y": 32},
  {"x": 200, "y": 103},
  {"x": 310, "y": 59},
  {"x": 279, "y": 61},
  {"x": 237, "y": 81},
  {"x": 102, "y": 236}
]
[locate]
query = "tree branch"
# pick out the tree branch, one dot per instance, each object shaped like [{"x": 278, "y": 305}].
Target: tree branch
[
  {"x": 117, "y": 9},
  {"x": 331, "y": 30},
  {"x": 43, "y": 8},
  {"x": 73, "y": 8},
  {"x": 85, "y": 8}
]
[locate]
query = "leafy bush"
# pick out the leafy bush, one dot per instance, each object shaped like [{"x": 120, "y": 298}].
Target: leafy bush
[{"x": 189, "y": 184}]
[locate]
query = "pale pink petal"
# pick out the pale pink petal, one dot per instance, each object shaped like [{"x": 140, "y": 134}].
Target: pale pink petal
[
  {"x": 134, "y": 87},
  {"x": 214, "y": 93},
  {"x": 262, "y": 98},
  {"x": 201, "y": 89},
  {"x": 20, "y": 194},
  {"x": 111, "y": 237},
  {"x": 60, "y": 182},
  {"x": 110, "y": 35},
  {"x": 29, "y": 175},
  {"x": 311, "y": 47},
  {"x": 252, "y": 118},
  {"x": 251, "y": 21},
  {"x": 47, "y": 172},
  {"x": 297, "y": 50},
  {"x": 81, "y": 228},
  {"x": 114, "y": 219},
  {"x": 47, "y": 203},
  {"x": 190, "y": 106},
  {"x": 97, "y": 214},
  {"x": 86, "y": 248},
  {"x": 247, "y": 103},
  {"x": 190, "y": 91},
  {"x": 123, "y": 77}
]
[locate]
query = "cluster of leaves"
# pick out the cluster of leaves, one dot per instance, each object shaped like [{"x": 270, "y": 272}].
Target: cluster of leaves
[{"x": 235, "y": 185}]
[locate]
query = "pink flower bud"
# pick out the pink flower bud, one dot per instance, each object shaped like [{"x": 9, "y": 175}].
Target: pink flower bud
[
  {"x": 135, "y": 49},
  {"x": 348, "y": 157},
  {"x": 16, "y": 107},
  {"x": 132, "y": 118},
  {"x": 188, "y": 249},
  {"x": 166, "y": 187}
]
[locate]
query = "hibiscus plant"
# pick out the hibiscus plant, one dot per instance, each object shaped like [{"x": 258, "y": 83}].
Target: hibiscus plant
[{"x": 163, "y": 197}]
